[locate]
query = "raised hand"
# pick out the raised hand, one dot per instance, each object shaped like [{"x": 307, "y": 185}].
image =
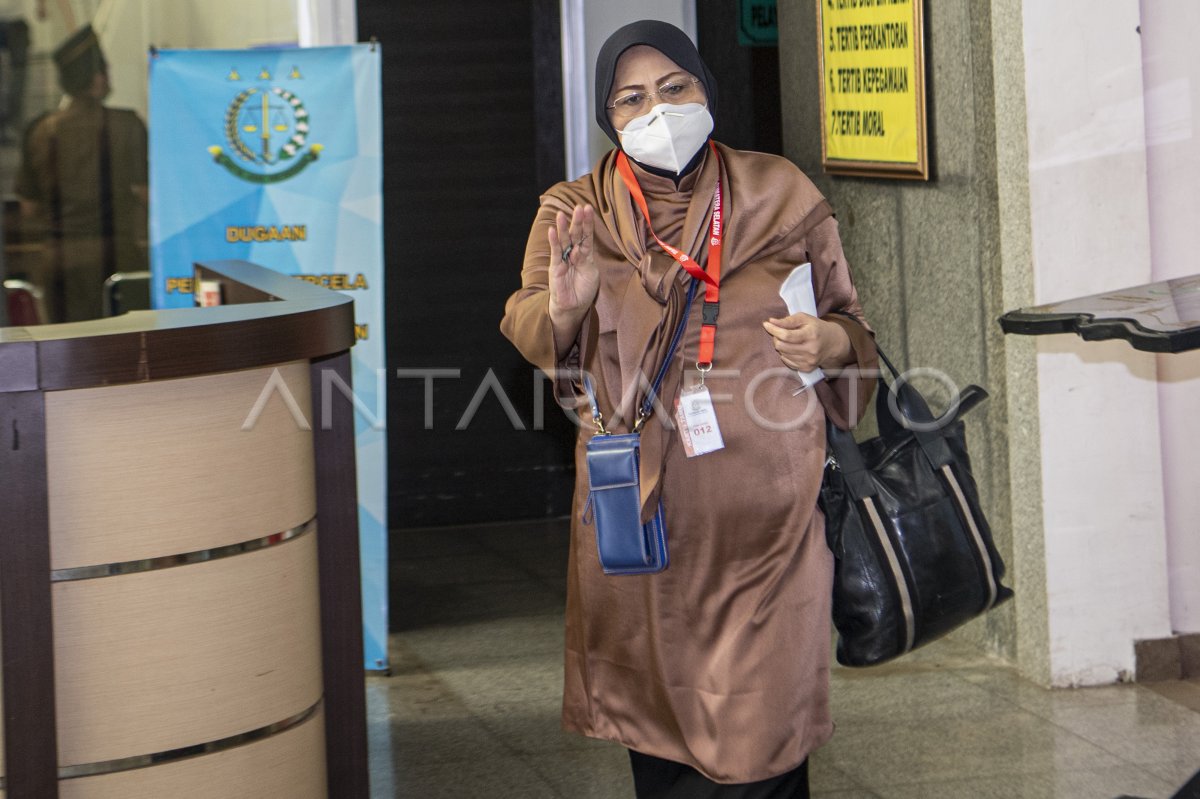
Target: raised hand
[{"x": 574, "y": 278}]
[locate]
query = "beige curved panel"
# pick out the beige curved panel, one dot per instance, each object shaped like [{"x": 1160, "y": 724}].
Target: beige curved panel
[
  {"x": 161, "y": 468},
  {"x": 290, "y": 765},
  {"x": 160, "y": 660}
]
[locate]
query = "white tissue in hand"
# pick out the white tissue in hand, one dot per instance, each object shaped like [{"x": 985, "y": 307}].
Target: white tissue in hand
[{"x": 797, "y": 293}]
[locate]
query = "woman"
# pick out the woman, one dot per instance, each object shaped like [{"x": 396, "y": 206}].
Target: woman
[{"x": 714, "y": 672}]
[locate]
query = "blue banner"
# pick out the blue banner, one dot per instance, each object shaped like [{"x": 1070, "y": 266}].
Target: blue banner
[{"x": 275, "y": 157}]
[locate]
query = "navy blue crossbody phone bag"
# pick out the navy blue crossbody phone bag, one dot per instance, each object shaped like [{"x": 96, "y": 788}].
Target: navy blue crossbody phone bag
[{"x": 624, "y": 543}]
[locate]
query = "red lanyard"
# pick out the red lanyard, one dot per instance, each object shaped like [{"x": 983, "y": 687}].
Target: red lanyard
[{"x": 711, "y": 275}]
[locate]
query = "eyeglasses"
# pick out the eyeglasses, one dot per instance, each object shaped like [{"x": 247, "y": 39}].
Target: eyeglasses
[{"x": 676, "y": 91}]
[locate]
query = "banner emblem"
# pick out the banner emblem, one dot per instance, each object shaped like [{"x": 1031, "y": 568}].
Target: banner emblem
[
  {"x": 266, "y": 128},
  {"x": 251, "y": 111}
]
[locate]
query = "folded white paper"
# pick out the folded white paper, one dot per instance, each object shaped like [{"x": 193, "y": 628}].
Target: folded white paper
[{"x": 797, "y": 293}]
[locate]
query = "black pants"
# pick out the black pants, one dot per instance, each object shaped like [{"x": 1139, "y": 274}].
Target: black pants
[{"x": 655, "y": 778}]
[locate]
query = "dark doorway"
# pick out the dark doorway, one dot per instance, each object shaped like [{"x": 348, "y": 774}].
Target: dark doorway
[
  {"x": 748, "y": 115},
  {"x": 472, "y": 135}
]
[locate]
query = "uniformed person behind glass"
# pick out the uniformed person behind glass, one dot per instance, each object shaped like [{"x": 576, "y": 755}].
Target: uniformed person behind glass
[{"x": 83, "y": 185}]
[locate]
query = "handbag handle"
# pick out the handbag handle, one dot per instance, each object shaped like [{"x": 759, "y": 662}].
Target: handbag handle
[
  {"x": 901, "y": 408},
  {"x": 900, "y": 411},
  {"x": 847, "y": 457},
  {"x": 647, "y": 406}
]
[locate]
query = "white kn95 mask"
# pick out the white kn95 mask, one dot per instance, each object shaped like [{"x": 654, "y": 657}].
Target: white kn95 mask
[{"x": 667, "y": 136}]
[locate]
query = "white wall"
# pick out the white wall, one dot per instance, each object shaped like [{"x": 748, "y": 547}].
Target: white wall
[
  {"x": 1171, "y": 76},
  {"x": 585, "y": 26},
  {"x": 327, "y": 22},
  {"x": 127, "y": 29},
  {"x": 1105, "y": 541},
  {"x": 62, "y": 18}
]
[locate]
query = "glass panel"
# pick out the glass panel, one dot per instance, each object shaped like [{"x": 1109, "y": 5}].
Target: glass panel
[{"x": 73, "y": 139}]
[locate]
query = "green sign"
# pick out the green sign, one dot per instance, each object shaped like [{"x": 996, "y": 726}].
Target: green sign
[{"x": 758, "y": 24}]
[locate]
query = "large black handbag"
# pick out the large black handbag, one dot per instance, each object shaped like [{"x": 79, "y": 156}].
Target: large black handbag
[{"x": 914, "y": 557}]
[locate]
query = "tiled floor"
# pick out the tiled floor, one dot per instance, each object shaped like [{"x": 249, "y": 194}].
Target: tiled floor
[{"x": 472, "y": 707}]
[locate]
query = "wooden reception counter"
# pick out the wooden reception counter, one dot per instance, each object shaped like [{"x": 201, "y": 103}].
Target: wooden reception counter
[{"x": 179, "y": 580}]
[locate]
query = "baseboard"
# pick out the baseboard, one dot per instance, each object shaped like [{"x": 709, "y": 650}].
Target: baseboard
[{"x": 1174, "y": 658}]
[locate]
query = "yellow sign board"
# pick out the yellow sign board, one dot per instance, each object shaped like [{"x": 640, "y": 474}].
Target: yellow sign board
[{"x": 872, "y": 57}]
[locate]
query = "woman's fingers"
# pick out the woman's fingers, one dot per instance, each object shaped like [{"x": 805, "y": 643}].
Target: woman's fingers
[
  {"x": 562, "y": 225},
  {"x": 555, "y": 245},
  {"x": 575, "y": 233},
  {"x": 582, "y": 223},
  {"x": 574, "y": 279},
  {"x": 796, "y": 339},
  {"x": 795, "y": 329}
]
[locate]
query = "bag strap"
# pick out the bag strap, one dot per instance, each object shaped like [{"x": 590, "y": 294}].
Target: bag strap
[
  {"x": 846, "y": 457},
  {"x": 647, "y": 407},
  {"x": 900, "y": 410}
]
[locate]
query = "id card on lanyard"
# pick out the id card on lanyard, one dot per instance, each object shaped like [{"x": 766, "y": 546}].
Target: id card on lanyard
[
  {"x": 695, "y": 416},
  {"x": 697, "y": 421}
]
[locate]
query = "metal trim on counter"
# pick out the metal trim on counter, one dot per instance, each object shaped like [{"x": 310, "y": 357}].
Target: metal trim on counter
[
  {"x": 185, "y": 752},
  {"x": 187, "y": 558}
]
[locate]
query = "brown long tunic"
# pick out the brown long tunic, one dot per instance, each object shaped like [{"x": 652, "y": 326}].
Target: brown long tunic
[{"x": 722, "y": 660}]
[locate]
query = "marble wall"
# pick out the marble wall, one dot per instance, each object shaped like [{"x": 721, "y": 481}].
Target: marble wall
[
  {"x": 932, "y": 260},
  {"x": 1038, "y": 117}
]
